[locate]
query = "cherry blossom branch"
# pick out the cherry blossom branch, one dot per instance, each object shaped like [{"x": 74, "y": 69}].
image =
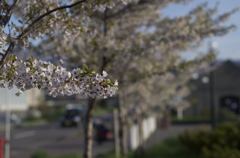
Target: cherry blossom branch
[
  {"x": 12, "y": 6},
  {"x": 56, "y": 80},
  {"x": 27, "y": 30},
  {"x": 46, "y": 14},
  {"x": 8, "y": 15}
]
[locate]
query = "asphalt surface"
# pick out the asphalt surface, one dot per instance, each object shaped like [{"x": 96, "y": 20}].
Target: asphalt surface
[
  {"x": 57, "y": 141},
  {"x": 53, "y": 139},
  {"x": 25, "y": 141}
]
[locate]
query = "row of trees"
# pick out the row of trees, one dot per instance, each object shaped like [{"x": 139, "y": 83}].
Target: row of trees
[{"x": 127, "y": 38}]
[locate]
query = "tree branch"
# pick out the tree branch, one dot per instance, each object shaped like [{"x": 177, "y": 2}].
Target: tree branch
[
  {"x": 121, "y": 11},
  {"x": 12, "y": 44},
  {"x": 14, "y": 4},
  {"x": 5, "y": 19},
  {"x": 46, "y": 14},
  {"x": 4, "y": 57}
]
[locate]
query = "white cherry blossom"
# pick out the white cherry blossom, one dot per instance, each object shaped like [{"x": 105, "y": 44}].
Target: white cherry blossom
[{"x": 55, "y": 79}]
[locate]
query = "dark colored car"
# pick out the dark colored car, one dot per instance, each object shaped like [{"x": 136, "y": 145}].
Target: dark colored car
[
  {"x": 71, "y": 117},
  {"x": 102, "y": 133}
]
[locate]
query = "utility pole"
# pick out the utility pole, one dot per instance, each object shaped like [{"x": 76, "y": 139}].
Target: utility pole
[
  {"x": 212, "y": 100},
  {"x": 8, "y": 124}
]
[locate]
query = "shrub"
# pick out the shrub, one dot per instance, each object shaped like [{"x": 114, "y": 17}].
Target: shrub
[
  {"x": 222, "y": 142},
  {"x": 220, "y": 152}
]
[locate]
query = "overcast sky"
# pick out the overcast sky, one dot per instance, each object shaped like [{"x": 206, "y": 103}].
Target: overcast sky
[{"x": 228, "y": 46}]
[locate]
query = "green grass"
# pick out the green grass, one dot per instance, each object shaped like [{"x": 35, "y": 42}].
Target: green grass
[
  {"x": 191, "y": 118},
  {"x": 101, "y": 111},
  {"x": 43, "y": 154},
  {"x": 170, "y": 148}
]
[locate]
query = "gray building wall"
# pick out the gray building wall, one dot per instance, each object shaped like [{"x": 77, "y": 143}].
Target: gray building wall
[
  {"x": 32, "y": 97},
  {"x": 8, "y": 97},
  {"x": 226, "y": 83}
]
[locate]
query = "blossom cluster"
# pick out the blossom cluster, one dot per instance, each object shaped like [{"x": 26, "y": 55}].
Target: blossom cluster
[
  {"x": 3, "y": 38},
  {"x": 55, "y": 79}
]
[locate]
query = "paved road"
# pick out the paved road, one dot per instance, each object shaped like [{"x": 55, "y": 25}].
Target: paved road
[
  {"x": 52, "y": 139},
  {"x": 56, "y": 140},
  {"x": 24, "y": 141}
]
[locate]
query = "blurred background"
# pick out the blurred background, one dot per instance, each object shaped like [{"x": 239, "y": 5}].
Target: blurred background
[{"x": 190, "y": 109}]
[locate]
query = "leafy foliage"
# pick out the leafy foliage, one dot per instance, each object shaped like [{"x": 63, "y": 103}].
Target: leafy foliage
[{"x": 222, "y": 142}]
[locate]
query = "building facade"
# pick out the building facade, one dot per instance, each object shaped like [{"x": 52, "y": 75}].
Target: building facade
[
  {"x": 28, "y": 99},
  {"x": 219, "y": 87}
]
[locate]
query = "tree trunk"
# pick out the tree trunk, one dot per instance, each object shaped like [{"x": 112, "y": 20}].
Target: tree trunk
[
  {"x": 123, "y": 126},
  {"x": 140, "y": 135},
  {"x": 116, "y": 133},
  {"x": 88, "y": 129},
  {"x": 124, "y": 143}
]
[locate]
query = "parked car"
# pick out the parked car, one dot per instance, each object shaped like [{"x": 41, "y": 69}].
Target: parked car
[
  {"x": 102, "y": 133},
  {"x": 71, "y": 117},
  {"x": 14, "y": 119}
]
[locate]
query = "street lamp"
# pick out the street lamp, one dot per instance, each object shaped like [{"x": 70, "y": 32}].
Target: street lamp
[{"x": 211, "y": 82}]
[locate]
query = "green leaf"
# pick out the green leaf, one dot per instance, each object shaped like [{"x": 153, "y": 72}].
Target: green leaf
[
  {"x": 20, "y": 21},
  {"x": 14, "y": 58},
  {"x": 31, "y": 58},
  {"x": 111, "y": 84},
  {"x": 1, "y": 78},
  {"x": 85, "y": 67},
  {"x": 45, "y": 66}
]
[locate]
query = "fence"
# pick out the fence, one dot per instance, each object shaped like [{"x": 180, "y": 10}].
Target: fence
[{"x": 149, "y": 126}]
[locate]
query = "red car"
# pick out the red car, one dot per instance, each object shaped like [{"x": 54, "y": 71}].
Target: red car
[{"x": 102, "y": 133}]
